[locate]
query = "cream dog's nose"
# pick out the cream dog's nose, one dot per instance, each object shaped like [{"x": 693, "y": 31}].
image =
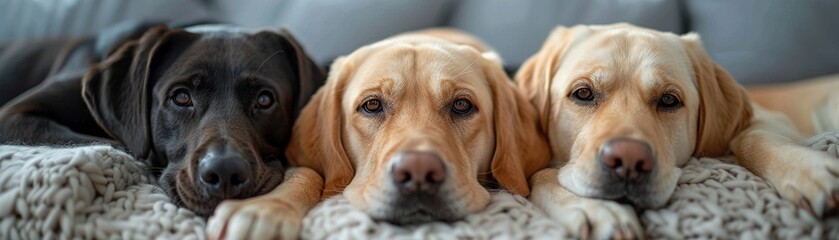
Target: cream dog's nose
[{"x": 629, "y": 159}]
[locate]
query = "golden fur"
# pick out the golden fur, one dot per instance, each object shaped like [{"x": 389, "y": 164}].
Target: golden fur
[{"x": 417, "y": 76}]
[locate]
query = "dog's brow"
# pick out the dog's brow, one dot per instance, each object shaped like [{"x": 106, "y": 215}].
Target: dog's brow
[
  {"x": 598, "y": 76},
  {"x": 196, "y": 79},
  {"x": 253, "y": 80},
  {"x": 372, "y": 89},
  {"x": 595, "y": 74},
  {"x": 656, "y": 84},
  {"x": 657, "y": 76}
]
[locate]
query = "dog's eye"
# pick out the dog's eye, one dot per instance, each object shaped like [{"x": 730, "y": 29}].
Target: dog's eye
[
  {"x": 668, "y": 102},
  {"x": 182, "y": 98},
  {"x": 462, "y": 106},
  {"x": 583, "y": 94},
  {"x": 264, "y": 100},
  {"x": 372, "y": 106}
]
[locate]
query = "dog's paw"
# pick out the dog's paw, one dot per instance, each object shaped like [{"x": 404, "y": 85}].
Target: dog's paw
[
  {"x": 813, "y": 184},
  {"x": 255, "y": 218},
  {"x": 598, "y": 219}
]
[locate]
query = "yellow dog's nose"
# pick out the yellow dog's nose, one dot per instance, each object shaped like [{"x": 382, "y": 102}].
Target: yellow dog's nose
[{"x": 416, "y": 171}]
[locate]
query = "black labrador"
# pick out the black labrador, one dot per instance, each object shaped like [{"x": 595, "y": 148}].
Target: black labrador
[{"x": 211, "y": 112}]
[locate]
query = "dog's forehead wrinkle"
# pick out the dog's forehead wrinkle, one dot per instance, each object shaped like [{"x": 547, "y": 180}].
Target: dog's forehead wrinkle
[
  {"x": 401, "y": 62},
  {"x": 392, "y": 63},
  {"x": 228, "y": 55},
  {"x": 447, "y": 77},
  {"x": 623, "y": 60}
]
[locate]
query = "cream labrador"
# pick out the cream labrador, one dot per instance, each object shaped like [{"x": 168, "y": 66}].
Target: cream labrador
[
  {"x": 811, "y": 104},
  {"x": 625, "y": 107}
]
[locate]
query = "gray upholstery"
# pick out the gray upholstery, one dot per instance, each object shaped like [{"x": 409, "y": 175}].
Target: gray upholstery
[
  {"x": 332, "y": 28},
  {"x": 516, "y": 29},
  {"x": 758, "y": 41},
  {"x": 762, "y": 41},
  {"x": 25, "y": 19}
]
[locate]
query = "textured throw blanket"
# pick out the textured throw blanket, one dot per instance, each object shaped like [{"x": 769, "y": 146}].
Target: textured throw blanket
[
  {"x": 93, "y": 192},
  {"x": 99, "y": 192}
]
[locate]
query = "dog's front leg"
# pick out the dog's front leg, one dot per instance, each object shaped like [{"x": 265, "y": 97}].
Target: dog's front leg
[
  {"x": 275, "y": 215},
  {"x": 584, "y": 218},
  {"x": 771, "y": 148}
]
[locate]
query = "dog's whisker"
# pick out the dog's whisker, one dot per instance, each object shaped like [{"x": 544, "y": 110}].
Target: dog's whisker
[
  {"x": 487, "y": 181},
  {"x": 465, "y": 70},
  {"x": 258, "y": 69}
]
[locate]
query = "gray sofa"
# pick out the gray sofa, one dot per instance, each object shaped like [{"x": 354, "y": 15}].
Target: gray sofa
[{"x": 757, "y": 41}]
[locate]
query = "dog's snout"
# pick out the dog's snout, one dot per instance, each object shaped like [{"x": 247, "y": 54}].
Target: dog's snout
[
  {"x": 223, "y": 175},
  {"x": 416, "y": 171},
  {"x": 629, "y": 159}
]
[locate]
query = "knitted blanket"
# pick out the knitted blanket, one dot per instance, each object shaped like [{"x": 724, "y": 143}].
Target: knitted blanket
[
  {"x": 93, "y": 192},
  {"x": 100, "y": 192}
]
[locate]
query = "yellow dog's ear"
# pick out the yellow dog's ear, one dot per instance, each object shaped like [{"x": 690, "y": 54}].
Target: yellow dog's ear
[
  {"x": 534, "y": 76},
  {"x": 724, "y": 107},
  {"x": 316, "y": 137},
  {"x": 521, "y": 148}
]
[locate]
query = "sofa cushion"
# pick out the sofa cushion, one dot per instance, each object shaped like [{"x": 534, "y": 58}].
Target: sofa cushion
[
  {"x": 769, "y": 41},
  {"x": 516, "y": 29},
  {"x": 28, "y": 19},
  {"x": 332, "y": 28}
]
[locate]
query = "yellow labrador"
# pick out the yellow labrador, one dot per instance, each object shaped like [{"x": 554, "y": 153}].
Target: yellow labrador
[
  {"x": 412, "y": 125},
  {"x": 625, "y": 107},
  {"x": 410, "y": 129}
]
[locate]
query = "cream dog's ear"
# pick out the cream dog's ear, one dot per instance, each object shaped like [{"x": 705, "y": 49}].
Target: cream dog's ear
[
  {"x": 521, "y": 148},
  {"x": 316, "y": 138},
  {"x": 724, "y": 107},
  {"x": 534, "y": 76},
  {"x": 493, "y": 57}
]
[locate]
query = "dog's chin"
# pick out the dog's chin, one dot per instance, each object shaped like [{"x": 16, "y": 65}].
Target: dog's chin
[
  {"x": 416, "y": 216},
  {"x": 652, "y": 194},
  {"x": 418, "y": 210},
  {"x": 640, "y": 198},
  {"x": 201, "y": 204},
  {"x": 183, "y": 192},
  {"x": 187, "y": 195},
  {"x": 656, "y": 193}
]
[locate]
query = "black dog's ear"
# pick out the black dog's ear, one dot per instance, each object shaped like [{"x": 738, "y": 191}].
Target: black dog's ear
[
  {"x": 309, "y": 75},
  {"x": 116, "y": 90}
]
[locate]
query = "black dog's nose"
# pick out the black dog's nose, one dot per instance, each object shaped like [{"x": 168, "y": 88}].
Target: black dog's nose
[
  {"x": 224, "y": 174},
  {"x": 416, "y": 171},
  {"x": 629, "y": 159}
]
